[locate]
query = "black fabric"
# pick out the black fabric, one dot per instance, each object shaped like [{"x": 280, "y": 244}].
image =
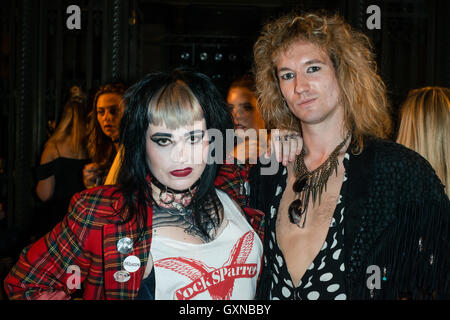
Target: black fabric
[
  {"x": 68, "y": 175},
  {"x": 45, "y": 171},
  {"x": 147, "y": 288},
  {"x": 397, "y": 219}
]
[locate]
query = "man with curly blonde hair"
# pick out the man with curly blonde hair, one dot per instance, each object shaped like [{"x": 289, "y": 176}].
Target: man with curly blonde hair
[{"x": 355, "y": 216}]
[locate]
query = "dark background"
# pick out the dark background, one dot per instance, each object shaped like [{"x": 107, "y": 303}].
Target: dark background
[{"x": 40, "y": 59}]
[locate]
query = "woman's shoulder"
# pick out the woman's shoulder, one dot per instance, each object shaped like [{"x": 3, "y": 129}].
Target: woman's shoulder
[
  {"x": 50, "y": 153},
  {"x": 99, "y": 205}
]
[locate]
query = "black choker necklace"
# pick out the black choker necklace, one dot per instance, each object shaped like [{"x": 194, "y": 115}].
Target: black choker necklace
[
  {"x": 163, "y": 187},
  {"x": 169, "y": 198}
]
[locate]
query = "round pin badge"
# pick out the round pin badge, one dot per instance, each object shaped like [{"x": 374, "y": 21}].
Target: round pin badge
[
  {"x": 132, "y": 264},
  {"x": 125, "y": 245},
  {"x": 121, "y": 276}
]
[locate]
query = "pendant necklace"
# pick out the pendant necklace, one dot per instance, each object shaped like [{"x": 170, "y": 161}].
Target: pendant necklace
[{"x": 311, "y": 184}]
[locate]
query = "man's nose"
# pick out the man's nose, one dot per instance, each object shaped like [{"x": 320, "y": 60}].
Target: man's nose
[{"x": 301, "y": 84}]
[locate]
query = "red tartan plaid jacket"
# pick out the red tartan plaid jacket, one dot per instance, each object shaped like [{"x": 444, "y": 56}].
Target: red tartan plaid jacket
[{"x": 86, "y": 240}]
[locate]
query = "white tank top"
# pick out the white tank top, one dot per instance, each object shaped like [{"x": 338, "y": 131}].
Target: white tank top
[{"x": 225, "y": 268}]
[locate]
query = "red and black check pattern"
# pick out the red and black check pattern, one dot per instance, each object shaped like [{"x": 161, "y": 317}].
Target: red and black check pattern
[
  {"x": 87, "y": 237},
  {"x": 231, "y": 179}
]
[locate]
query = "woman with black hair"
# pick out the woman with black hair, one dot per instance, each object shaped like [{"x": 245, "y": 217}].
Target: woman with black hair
[{"x": 164, "y": 231}]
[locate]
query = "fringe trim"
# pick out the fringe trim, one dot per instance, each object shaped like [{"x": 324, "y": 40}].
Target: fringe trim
[{"x": 415, "y": 251}]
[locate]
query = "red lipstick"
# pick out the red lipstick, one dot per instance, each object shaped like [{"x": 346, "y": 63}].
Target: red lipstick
[{"x": 181, "y": 173}]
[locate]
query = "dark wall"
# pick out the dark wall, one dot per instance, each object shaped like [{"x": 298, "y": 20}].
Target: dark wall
[{"x": 123, "y": 39}]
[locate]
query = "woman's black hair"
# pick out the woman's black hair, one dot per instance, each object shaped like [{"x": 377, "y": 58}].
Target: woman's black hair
[{"x": 134, "y": 172}]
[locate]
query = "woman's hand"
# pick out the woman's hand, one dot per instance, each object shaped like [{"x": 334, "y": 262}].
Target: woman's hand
[{"x": 92, "y": 175}]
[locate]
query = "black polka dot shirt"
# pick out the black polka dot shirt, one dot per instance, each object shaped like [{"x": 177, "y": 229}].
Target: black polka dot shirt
[{"x": 324, "y": 278}]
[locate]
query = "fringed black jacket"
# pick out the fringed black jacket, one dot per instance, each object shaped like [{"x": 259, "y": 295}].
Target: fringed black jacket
[{"x": 397, "y": 219}]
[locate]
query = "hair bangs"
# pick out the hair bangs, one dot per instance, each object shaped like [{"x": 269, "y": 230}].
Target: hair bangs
[{"x": 174, "y": 106}]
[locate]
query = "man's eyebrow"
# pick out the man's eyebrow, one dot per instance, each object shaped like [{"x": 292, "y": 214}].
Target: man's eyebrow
[
  {"x": 313, "y": 61},
  {"x": 307, "y": 63},
  {"x": 284, "y": 69}
]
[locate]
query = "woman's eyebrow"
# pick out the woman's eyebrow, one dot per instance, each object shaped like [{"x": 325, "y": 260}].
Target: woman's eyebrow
[
  {"x": 108, "y": 106},
  {"x": 162, "y": 134},
  {"x": 194, "y": 132},
  {"x": 169, "y": 135}
]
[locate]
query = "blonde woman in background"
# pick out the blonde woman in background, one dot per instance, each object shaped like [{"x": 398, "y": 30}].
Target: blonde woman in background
[
  {"x": 65, "y": 154},
  {"x": 425, "y": 128}
]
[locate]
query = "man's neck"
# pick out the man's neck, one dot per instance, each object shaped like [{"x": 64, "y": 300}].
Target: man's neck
[{"x": 320, "y": 140}]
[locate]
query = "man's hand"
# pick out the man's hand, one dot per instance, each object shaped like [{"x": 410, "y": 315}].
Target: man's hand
[{"x": 285, "y": 144}]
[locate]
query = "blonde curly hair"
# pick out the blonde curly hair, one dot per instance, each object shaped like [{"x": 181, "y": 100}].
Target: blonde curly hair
[{"x": 362, "y": 91}]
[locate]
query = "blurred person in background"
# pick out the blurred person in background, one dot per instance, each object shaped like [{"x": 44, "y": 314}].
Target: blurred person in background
[
  {"x": 62, "y": 161},
  {"x": 244, "y": 108},
  {"x": 103, "y": 141},
  {"x": 425, "y": 128}
]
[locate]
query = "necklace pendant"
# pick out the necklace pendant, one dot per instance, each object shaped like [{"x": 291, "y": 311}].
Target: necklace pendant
[
  {"x": 295, "y": 219},
  {"x": 296, "y": 213}
]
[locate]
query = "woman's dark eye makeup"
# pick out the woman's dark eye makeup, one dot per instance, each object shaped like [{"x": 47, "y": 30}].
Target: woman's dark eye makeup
[
  {"x": 161, "y": 139},
  {"x": 196, "y": 137},
  {"x": 164, "y": 139}
]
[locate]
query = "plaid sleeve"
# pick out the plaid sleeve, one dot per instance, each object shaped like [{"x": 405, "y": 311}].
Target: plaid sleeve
[
  {"x": 232, "y": 179},
  {"x": 43, "y": 266}
]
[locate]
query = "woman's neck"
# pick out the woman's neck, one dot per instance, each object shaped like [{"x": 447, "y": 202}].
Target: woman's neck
[
  {"x": 116, "y": 144},
  {"x": 166, "y": 197}
]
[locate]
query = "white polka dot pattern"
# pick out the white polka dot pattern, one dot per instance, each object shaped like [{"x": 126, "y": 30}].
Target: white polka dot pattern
[{"x": 325, "y": 277}]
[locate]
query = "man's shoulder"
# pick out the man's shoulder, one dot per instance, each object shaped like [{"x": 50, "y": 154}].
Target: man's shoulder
[
  {"x": 404, "y": 168},
  {"x": 389, "y": 153}
]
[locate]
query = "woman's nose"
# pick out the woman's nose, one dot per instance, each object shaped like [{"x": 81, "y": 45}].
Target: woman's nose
[
  {"x": 180, "y": 153},
  {"x": 235, "y": 113},
  {"x": 109, "y": 115}
]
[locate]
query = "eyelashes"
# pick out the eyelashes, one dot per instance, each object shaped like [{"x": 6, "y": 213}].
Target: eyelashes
[
  {"x": 161, "y": 141},
  {"x": 313, "y": 69},
  {"x": 166, "y": 141},
  {"x": 291, "y": 75}
]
